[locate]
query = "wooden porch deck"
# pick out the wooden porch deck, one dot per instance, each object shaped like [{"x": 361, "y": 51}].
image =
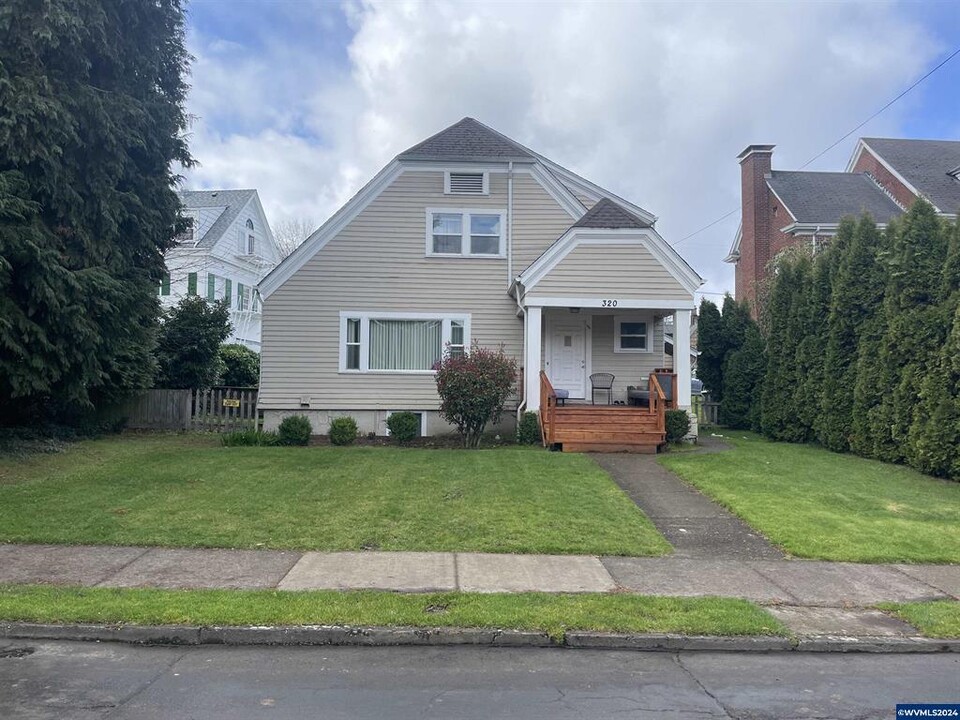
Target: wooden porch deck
[{"x": 602, "y": 428}]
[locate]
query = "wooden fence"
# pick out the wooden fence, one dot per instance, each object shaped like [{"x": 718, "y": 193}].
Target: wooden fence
[
  {"x": 707, "y": 412},
  {"x": 224, "y": 409},
  {"x": 216, "y": 409},
  {"x": 156, "y": 410}
]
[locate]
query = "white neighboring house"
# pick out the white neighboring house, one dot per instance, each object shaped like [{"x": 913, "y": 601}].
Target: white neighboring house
[{"x": 226, "y": 250}]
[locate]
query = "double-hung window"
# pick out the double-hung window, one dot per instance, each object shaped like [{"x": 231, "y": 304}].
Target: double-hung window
[
  {"x": 465, "y": 233},
  {"x": 632, "y": 335},
  {"x": 399, "y": 342}
]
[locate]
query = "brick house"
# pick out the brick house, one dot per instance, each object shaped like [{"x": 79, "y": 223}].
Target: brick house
[{"x": 781, "y": 208}]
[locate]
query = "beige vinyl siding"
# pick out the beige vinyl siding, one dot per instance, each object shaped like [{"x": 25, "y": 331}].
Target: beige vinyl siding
[
  {"x": 628, "y": 368},
  {"x": 611, "y": 271},
  {"x": 538, "y": 221},
  {"x": 378, "y": 263}
]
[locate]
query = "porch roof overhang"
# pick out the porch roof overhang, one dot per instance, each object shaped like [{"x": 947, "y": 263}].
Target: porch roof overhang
[{"x": 596, "y": 241}]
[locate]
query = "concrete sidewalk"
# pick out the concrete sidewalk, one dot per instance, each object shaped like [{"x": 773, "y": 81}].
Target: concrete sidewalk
[
  {"x": 811, "y": 598},
  {"x": 793, "y": 582}
]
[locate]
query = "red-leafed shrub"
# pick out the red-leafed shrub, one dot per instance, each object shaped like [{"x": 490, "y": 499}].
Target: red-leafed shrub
[{"x": 473, "y": 388}]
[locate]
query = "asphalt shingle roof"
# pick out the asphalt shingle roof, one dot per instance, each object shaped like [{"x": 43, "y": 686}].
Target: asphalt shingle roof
[
  {"x": 925, "y": 164},
  {"x": 467, "y": 140},
  {"x": 232, "y": 200},
  {"x": 608, "y": 214},
  {"x": 828, "y": 197}
]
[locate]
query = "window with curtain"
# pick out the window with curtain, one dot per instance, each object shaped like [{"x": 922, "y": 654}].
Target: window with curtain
[
  {"x": 447, "y": 233},
  {"x": 404, "y": 344}
]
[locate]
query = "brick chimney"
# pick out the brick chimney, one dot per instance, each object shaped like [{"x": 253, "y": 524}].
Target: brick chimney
[{"x": 755, "y": 162}]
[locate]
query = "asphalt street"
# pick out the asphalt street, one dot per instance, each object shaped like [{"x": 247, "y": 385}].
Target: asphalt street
[{"x": 84, "y": 681}]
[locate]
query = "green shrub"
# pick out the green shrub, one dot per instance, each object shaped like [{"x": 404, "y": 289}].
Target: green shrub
[
  {"x": 249, "y": 438},
  {"x": 403, "y": 426},
  {"x": 677, "y": 424},
  {"x": 240, "y": 366},
  {"x": 528, "y": 431},
  {"x": 473, "y": 388},
  {"x": 343, "y": 431},
  {"x": 294, "y": 430}
]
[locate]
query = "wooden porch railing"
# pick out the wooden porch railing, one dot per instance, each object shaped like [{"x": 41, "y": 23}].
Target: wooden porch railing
[
  {"x": 658, "y": 402},
  {"x": 548, "y": 409}
]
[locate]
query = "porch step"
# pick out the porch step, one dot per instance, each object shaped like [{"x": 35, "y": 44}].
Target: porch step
[
  {"x": 564, "y": 435},
  {"x": 611, "y": 447}
]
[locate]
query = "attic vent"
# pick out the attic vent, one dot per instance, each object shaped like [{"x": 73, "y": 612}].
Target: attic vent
[{"x": 466, "y": 183}]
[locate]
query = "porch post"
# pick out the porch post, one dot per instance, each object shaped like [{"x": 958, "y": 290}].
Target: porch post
[
  {"x": 681, "y": 356},
  {"x": 532, "y": 324}
]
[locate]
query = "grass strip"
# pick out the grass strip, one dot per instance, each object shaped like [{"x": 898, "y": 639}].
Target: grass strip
[
  {"x": 553, "y": 614},
  {"x": 822, "y": 505},
  {"x": 934, "y": 619}
]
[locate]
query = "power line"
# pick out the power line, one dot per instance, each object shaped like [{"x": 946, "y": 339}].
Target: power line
[{"x": 823, "y": 152}]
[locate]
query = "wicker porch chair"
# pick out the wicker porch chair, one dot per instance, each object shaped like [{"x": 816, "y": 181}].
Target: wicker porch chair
[{"x": 602, "y": 382}]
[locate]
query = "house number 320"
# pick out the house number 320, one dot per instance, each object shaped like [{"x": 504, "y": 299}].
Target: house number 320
[{"x": 608, "y": 303}]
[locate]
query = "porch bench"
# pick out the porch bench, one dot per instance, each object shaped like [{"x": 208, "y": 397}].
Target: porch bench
[{"x": 637, "y": 395}]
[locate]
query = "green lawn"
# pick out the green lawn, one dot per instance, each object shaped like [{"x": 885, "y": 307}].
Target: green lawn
[
  {"x": 553, "y": 614},
  {"x": 188, "y": 491},
  {"x": 938, "y": 619},
  {"x": 818, "y": 504}
]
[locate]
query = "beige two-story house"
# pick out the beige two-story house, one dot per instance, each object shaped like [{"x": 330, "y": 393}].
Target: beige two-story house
[{"x": 470, "y": 237}]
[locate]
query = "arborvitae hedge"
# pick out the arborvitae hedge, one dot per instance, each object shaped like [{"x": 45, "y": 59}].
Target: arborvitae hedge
[{"x": 861, "y": 350}]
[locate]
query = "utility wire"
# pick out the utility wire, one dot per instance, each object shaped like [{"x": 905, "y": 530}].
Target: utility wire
[{"x": 823, "y": 152}]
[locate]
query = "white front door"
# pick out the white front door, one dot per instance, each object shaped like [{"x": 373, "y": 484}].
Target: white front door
[{"x": 567, "y": 359}]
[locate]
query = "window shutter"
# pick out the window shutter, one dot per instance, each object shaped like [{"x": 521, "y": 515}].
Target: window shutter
[
  {"x": 211, "y": 286},
  {"x": 192, "y": 284},
  {"x": 466, "y": 183},
  {"x": 240, "y": 296},
  {"x": 228, "y": 292},
  {"x": 165, "y": 284}
]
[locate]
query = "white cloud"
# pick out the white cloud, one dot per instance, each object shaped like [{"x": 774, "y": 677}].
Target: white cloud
[{"x": 651, "y": 101}]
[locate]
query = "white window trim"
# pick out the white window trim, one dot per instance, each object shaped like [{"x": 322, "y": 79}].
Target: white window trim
[
  {"x": 446, "y": 181},
  {"x": 619, "y": 320},
  {"x": 366, "y": 315},
  {"x": 421, "y": 413},
  {"x": 465, "y": 231}
]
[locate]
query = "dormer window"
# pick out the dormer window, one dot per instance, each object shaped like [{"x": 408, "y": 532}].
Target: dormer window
[
  {"x": 251, "y": 245},
  {"x": 188, "y": 234},
  {"x": 466, "y": 183}
]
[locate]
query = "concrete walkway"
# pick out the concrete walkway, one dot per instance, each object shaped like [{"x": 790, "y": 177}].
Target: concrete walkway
[
  {"x": 809, "y": 597},
  {"x": 793, "y": 582},
  {"x": 693, "y": 523}
]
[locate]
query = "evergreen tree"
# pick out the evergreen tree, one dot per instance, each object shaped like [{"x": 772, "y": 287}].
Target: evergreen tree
[
  {"x": 811, "y": 330},
  {"x": 778, "y": 410},
  {"x": 742, "y": 381},
  {"x": 712, "y": 346},
  {"x": 188, "y": 347},
  {"x": 935, "y": 433},
  {"x": 915, "y": 329},
  {"x": 857, "y": 292},
  {"x": 736, "y": 319},
  {"x": 91, "y": 121}
]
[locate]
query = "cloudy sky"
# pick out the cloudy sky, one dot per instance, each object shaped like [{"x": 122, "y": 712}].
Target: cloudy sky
[{"x": 306, "y": 100}]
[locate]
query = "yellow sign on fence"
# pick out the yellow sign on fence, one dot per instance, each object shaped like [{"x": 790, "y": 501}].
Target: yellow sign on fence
[{"x": 231, "y": 402}]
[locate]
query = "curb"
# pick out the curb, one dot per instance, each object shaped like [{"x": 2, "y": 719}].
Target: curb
[{"x": 319, "y": 635}]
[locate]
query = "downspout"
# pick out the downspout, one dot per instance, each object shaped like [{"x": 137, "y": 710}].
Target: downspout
[
  {"x": 522, "y": 405},
  {"x": 510, "y": 222}
]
